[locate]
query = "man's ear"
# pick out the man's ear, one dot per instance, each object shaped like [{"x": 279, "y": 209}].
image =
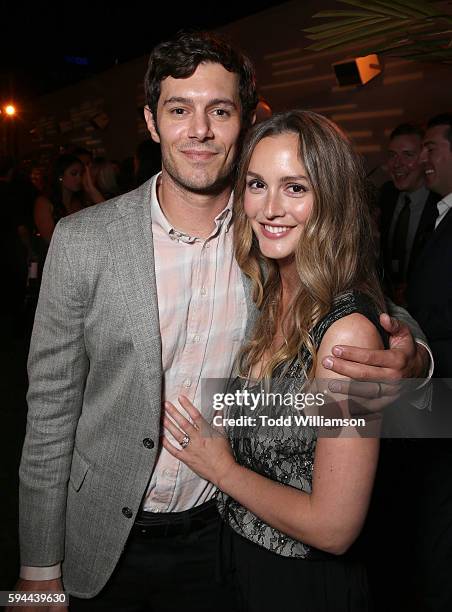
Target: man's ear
[{"x": 149, "y": 118}]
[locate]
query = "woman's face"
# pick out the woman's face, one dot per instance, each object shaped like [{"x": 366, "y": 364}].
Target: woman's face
[
  {"x": 37, "y": 179},
  {"x": 278, "y": 196},
  {"x": 72, "y": 177}
]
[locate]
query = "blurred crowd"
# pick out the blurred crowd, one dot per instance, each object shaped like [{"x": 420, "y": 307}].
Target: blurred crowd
[{"x": 34, "y": 197}]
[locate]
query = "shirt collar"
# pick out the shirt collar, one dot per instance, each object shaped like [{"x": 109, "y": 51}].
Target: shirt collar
[
  {"x": 159, "y": 219},
  {"x": 416, "y": 197},
  {"x": 445, "y": 203}
]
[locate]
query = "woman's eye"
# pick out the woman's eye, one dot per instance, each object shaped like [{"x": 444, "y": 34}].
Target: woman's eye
[
  {"x": 255, "y": 184},
  {"x": 297, "y": 188}
]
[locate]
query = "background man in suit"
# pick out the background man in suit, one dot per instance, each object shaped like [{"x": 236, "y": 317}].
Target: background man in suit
[
  {"x": 430, "y": 301},
  {"x": 141, "y": 299},
  {"x": 408, "y": 208},
  {"x": 430, "y": 291}
]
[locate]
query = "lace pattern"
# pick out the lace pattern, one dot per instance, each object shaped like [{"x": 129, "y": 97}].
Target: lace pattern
[{"x": 284, "y": 454}]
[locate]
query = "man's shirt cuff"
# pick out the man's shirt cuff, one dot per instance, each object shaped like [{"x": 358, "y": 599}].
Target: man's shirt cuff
[{"x": 40, "y": 573}]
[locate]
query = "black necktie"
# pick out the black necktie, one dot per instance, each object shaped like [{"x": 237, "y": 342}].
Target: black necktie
[
  {"x": 399, "y": 241},
  {"x": 423, "y": 235}
]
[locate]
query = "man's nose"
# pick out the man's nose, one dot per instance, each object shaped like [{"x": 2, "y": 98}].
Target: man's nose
[
  {"x": 423, "y": 158},
  {"x": 200, "y": 127},
  {"x": 395, "y": 161}
]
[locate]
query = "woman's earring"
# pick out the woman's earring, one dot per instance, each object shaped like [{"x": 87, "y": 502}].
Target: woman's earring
[{"x": 60, "y": 178}]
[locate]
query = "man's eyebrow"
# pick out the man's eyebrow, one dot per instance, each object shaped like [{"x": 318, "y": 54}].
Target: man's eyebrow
[
  {"x": 212, "y": 102},
  {"x": 407, "y": 150},
  {"x": 179, "y": 100},
  {"x": 222, "y": 102}
]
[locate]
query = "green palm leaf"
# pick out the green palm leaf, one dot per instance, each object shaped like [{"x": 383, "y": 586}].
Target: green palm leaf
[
  {"x": 382, "y": 7},
  {"x": 398, "y": 27},
  {"x": 347, "y": 29},
  {"x": 346, "y": 39},
  {"x": 336, "y": 25}
]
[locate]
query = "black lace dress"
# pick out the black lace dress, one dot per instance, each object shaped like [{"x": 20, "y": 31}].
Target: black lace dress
[{"x": 265, "y": 558}]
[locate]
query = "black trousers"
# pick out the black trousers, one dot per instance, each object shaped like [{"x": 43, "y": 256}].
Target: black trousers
[{"x": 173, "y": 565}]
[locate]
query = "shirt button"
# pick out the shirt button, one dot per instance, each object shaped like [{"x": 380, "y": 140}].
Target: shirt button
[
  {"x": 203, "y": 291},
  {"x": 207, "y": 245},
  {"x": 187, "y": 382},
  {"x": 196, "y": 338},
  {"x": 148, "y": 443},
  {"x": 127, "y": 512}
]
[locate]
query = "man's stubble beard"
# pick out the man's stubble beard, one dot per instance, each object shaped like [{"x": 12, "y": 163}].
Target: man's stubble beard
[{"x": 208, "y": 186}]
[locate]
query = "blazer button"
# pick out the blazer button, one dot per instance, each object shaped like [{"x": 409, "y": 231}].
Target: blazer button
[
  {"x": 127, "y": 512},
  {"x": 148, "y": 443}
]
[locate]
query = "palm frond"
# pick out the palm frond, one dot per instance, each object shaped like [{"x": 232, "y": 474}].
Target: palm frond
[
  {"x": 395, "y": 27},
  {"x": 325, "y": 27},
  {"x": 347, "y": 29}
]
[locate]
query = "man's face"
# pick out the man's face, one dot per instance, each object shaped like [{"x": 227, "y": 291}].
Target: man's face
[
  {"x": 404, "y": 164},
  {"x": 198, "y": 127},
  {"x": 437, "y": 159}
]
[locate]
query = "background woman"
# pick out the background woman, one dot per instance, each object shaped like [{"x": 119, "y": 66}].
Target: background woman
[
  {"x": 63, "y": 199},
  {"x": 99, "y": 181}
]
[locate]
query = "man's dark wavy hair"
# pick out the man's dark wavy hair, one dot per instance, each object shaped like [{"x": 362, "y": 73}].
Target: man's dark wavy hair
[
  {"x": 444, "y": 119},
  {"x": 179, "y": 58}
]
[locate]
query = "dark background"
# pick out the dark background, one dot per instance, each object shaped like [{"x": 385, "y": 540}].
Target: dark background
[{"x": 37, "y": 38}]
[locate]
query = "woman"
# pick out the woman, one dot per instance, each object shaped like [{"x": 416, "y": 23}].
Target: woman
[
  {"x": 293, "y": 502},
  {"x": 64, "y": 197},
  {"x": 99, "y": 181}
]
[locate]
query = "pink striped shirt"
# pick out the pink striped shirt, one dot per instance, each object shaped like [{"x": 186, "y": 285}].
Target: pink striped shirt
[{"x": 202, "y": 310}]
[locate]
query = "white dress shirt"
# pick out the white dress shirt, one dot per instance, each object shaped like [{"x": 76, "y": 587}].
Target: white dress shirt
[{"x": 444, "y": 206}]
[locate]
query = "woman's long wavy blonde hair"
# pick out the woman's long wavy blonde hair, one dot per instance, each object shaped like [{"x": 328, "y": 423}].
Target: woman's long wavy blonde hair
[{"x": 336, "y": 252}]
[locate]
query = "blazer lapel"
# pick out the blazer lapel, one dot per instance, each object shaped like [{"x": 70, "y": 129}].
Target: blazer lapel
[
  {"x": 131, "y": 248},
  {"x": 443, "y": 227},
  {"x": 429, "y": 215}
]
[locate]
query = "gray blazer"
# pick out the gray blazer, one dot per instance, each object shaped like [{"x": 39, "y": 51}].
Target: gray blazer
[{"x": 95, "y": 392}]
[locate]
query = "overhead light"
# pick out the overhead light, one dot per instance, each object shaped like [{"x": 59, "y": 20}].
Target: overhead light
[{"x": 10, "y": 110}]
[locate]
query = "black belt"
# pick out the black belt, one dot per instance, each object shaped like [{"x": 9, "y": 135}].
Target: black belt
[{"x": 167, "y": 524}]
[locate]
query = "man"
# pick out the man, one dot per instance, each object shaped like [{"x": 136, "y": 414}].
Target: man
[
  {"x": 141, "y": 299},
  {"x": 408, "y": 208},
  {"x": 430, "y": 301},
  {"x": 430, "y": 292}
]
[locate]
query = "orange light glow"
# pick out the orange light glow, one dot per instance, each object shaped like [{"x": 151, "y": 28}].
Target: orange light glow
[{"x": 10, "y": 110}]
